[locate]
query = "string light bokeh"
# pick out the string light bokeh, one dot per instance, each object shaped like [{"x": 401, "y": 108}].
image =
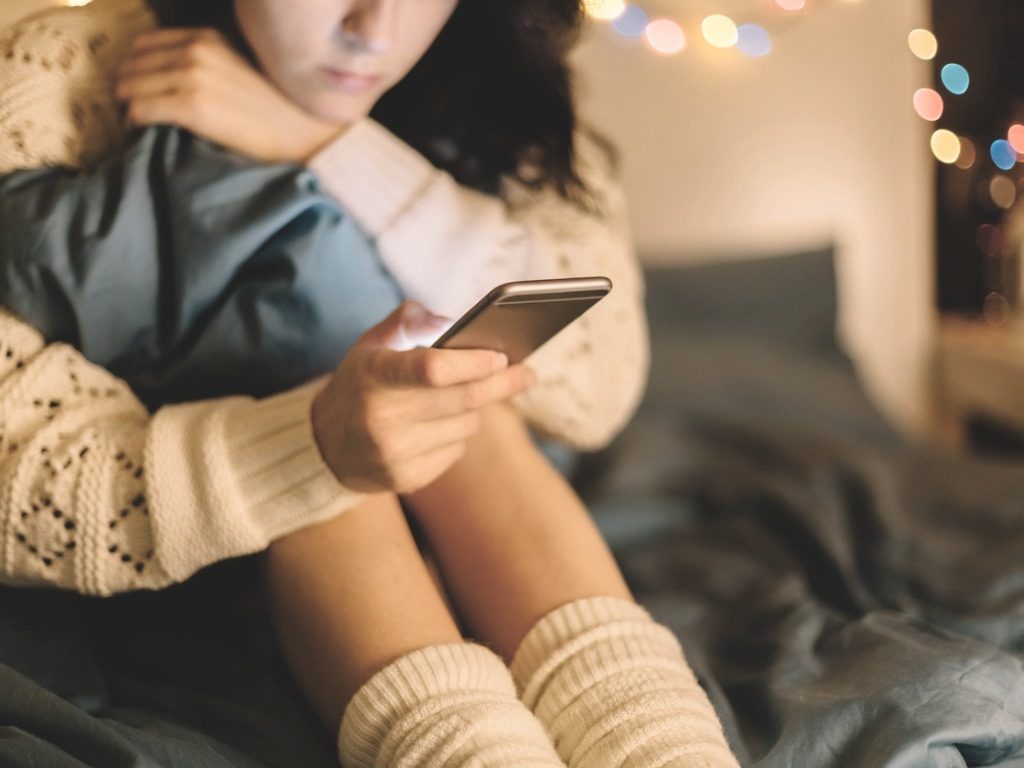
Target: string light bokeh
[
  {"x": 668, "y": 34},
  {"x": 1005, "y": 152},
  {"x": 994, "y": 160}
]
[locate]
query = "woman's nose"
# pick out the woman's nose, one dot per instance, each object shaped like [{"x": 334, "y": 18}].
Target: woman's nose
[{"x": 369, "y": 25}]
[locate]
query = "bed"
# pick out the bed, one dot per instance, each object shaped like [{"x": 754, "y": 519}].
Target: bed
[{"x": 846, "y": 597}]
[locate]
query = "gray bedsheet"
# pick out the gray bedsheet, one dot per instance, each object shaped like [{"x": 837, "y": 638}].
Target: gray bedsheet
[{"x": 847, "y": 599}]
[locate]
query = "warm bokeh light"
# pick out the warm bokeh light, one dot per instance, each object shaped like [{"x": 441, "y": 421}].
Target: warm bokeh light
[
  {"x": 1003, "y": 155},
  {"x": 753, "y": 40},
  {"x": 720, "y": 31},
  {"x": 945, "y": 146},
  {"x": 989, "y": 239},
  {"x": 955, "y": 78},
  {"x": 632, "y": 22},
  {"x": 1003, "y": 192},
  {"x": 968, "y": 154},
  {"x": 996, "y": 309},
  {"x": 1016, "y": 138},
  {"x": 606, "y": 10},
  {"x": 928, "y": 104},
  {"x": 665, "y": 36},
  {"x": 923, "y": 44}
]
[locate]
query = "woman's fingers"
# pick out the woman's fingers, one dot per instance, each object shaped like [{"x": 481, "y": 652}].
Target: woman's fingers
[
  {"x": 163, "y": 108},
  {"x": 429, "y": 367},
  {"x": 162, "y": 83},
  {"x": 425, "y": 437},
  {"x": 152, "y": 84},
  {"x": 475, "y": 395},
  {"x": 193, "y": 53},
  {"x": 428, "y": 467},
  {"x": 192, "y": 78},
  {"x": 148, "y": 62}
]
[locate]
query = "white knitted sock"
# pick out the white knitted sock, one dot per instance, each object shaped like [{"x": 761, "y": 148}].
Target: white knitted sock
[
  {"x": 443, "y": 706},
  {"x": 612, "y": 688}
]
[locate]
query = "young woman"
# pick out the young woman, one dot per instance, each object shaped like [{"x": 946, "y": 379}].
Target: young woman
[{"x": 469, "y": 172}]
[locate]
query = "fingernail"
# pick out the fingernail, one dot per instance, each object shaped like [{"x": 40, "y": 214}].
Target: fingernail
[{"x": 499, "y": 362}]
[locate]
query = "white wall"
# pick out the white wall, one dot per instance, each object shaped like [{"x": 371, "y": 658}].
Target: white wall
[{"x": 815, "y": 143}]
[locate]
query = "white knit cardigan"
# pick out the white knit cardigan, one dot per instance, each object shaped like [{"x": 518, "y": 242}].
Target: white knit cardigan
[{"x": 100, "y": 497}]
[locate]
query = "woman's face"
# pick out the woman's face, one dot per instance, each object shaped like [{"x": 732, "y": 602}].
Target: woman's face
[{"x": 336, "y": 58}]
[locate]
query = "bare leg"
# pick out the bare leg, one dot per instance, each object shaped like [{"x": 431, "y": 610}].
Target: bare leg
[
  {"x": 532, "y": 577},
  {"x": 348, "y": 596},
  {"x": 512, "y": 538}
]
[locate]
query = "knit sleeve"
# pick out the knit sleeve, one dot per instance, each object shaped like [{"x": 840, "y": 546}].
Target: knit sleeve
[
  {"x": 448, "y": 245},
  {"x": 57, "y": 67},
  {"x": 101, "y": 498}
]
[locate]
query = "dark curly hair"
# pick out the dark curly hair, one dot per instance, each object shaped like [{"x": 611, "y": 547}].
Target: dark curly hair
[{"x": 492, "y": 96}]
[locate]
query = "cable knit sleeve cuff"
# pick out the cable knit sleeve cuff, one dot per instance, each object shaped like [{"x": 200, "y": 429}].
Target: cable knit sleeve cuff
[
  {"x": 229, "y": 476},
  {"x": 281, "y": 475},
  {"x": 373, "y": 174}
]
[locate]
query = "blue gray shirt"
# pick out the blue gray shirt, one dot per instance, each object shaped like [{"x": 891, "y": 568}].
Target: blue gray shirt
[{"x": 188, "y": 270}]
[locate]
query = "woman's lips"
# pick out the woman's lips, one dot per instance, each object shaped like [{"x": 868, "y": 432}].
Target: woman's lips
[{"x": 351, "y": 82}]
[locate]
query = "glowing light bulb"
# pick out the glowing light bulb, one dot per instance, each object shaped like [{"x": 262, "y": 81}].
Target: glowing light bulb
[
  {"x": 989, "y": 239},
  {"x": 605, "y": 10},
  {"x": 956, "y": 79},
  {"x": 928, "y": 104},
  {"x": 632, "y": 22},
  {"x": 720, "y": 31},
  {"x": 945, "y": 146},
  {"x": 665, "y": 36},
  {"x": 968, "y": 154},
  {"x": 1003, "y": 192},
  {"x": 996, "y": 309},
  {"x": 923, "y": 44},
  {"x": 753, "y": 40},
  {"x": 1003, "y": 155},
  {"x": 1016, "y": 138}
]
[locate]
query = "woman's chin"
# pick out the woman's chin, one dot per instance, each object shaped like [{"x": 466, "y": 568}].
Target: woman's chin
[{"x": 340, "y": 108}]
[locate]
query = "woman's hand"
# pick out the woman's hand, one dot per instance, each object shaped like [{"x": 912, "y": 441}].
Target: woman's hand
[
  {"x": 193, "y": 78},
  {"x": 396, "y": 420}
]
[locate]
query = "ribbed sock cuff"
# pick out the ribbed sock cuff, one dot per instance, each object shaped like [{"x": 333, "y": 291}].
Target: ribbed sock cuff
[
  {"x": 564, "y": 631},
  {"x": 442, "y": 705},
  {"x": 612, "y": 688}
]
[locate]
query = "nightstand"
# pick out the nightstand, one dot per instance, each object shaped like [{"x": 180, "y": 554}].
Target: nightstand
[{"x": 980, "y": 377}]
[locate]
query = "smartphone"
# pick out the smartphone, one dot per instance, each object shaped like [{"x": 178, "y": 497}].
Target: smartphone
[{"x": 517, "y": 318}]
